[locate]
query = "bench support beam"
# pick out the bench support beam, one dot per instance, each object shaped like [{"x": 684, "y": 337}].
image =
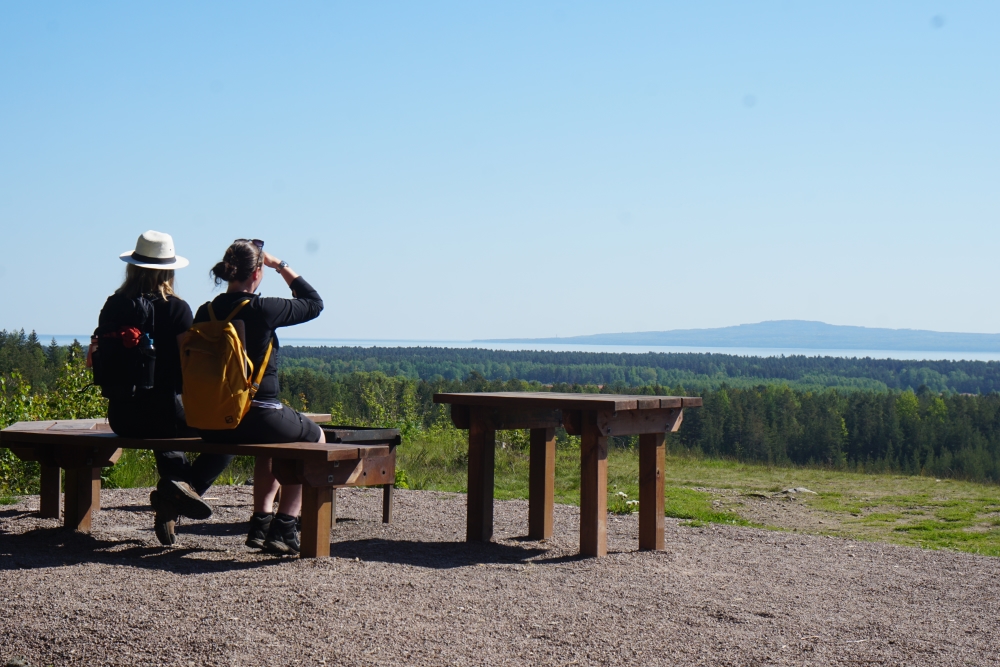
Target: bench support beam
[
  {"x": 387, "y": 497},
  {"x": 541, "y": 482},
  {"x": 51, "y": 488},
  {"x": 482, "y": 453},
  {"x": 652, "y": 468},
  {"x": 83, "y": 490},
  {"x": 317, "y": 503},
  {"x": 593, "y": 488}
]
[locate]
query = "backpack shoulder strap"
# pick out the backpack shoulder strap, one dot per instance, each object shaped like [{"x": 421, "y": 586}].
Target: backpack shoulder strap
[
  {"x": 237, "y": 309},
  {"x": 260, "y": 371}
]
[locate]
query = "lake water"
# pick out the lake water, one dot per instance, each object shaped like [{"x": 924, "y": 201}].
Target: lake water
[{"x": 634, "y": 349}]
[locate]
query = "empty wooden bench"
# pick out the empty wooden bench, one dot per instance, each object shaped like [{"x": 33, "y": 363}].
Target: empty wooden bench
[
  {"x": 593, "y": 417},
  {"x": 82, "y": 447}
]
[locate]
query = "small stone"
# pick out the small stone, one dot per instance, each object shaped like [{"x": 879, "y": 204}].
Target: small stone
[{"x": 18, "y": 662}]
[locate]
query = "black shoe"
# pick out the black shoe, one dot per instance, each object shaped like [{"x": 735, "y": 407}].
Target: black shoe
[
  {"x": 282, "y": 538},
  {"x": 184, "y": 498},
  {"x": 164, "y": 519},
  {"x": 260, "y": 523}
]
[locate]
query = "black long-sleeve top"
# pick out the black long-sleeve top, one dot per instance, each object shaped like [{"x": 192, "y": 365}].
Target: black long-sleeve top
[
  {"x": 172, "y": 317},
  {"x": 261, "y": 317}
]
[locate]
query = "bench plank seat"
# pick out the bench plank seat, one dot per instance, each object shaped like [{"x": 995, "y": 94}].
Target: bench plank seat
[{"x": 82, "y": 447}]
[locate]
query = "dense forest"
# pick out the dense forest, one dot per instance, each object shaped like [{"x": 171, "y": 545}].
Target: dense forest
[
  {"x": 756, "y": 409},
  {"x": 693, "y": 371},
  {"x": 923, "y": 432}
]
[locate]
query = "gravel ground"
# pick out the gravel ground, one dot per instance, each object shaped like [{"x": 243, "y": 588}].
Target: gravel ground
[{"x": 414, "y": 594}]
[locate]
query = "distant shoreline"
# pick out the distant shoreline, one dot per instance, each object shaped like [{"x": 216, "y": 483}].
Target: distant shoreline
[{"x": 910, "y": 355}]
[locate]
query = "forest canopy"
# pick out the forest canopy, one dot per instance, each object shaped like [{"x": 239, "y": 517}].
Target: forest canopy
[{"x": 692, "y": 370}]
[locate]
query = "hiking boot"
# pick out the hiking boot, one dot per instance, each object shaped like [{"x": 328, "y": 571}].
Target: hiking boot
[
  {"x": 282, "y": 538},
  {"x": 164, "y": 519},
  {"x": 260, "y": 523},
  {"x": 184, "y": 498}
]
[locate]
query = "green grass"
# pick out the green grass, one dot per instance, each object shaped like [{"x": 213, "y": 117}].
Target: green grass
[
  {"x": 137, "y": 469},
  {"x": 8, "y": 500},
  {"x": 908, "y": 510}
]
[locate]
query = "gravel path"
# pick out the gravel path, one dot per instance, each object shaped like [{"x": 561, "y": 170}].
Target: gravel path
[{"x": 414, "y": 594}]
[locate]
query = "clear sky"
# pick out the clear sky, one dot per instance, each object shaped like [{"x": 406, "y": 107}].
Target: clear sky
[{"x": 471, "y": 170}]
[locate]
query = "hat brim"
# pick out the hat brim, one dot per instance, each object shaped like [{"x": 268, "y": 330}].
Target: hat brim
[{"x": 176, "y": 262}]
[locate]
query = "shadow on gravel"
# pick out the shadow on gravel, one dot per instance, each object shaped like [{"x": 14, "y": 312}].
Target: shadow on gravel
[
  {"x": 437, "y": 555},
  {"x": 128, "y": 508},
  {"x": 58, "y": 547},
  {"x": 213, "y": 529}
]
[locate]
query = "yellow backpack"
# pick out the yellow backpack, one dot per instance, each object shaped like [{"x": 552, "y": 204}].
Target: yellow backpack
[{"x": 218, "y": 374}]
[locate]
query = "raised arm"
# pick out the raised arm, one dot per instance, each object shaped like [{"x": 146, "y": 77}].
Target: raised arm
[{"x": 305, "y": 305}]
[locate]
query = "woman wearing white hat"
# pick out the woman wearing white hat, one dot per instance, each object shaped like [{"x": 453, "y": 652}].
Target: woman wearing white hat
[{"x": 137, "y": 365}]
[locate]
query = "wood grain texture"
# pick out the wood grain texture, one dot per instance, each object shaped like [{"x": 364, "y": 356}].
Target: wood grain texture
[
  {"x": 316, "y": 502},
  {"x": 83, "y": 487},
  {"x": 636, "y": 422},
  {"x": 541, "y": 482},
  {"x": 504, "y": 418},
  {"x": 49, "y": 491},
  {"x": 652, "y": 468},
  {"x": 482, "y": 451},
  {"x": 558, "y": 401},
  {"x": 83, "y": 441},
  {"x": 593, "y": 488}
]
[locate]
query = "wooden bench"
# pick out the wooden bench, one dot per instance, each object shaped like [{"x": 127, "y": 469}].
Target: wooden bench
[
  {"x": 82, "y": 447},
  {"x": 593, "y": 417}
]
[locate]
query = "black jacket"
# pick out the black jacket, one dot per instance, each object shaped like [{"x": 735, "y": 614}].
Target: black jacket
[{"x": 261, "y": 317}]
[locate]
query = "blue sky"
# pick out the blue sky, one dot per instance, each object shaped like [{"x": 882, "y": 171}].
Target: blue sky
[{"x": 471, "y": 170}]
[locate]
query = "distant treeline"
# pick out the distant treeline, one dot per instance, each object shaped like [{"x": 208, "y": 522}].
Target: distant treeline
[
  {"x": 39, "y": 365},
  {"x": 693, "y": 371},
  {"x": 946, "y": 435}
]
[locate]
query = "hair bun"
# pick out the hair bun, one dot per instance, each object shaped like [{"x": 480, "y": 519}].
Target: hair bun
[{"x": 238, "y": 263}]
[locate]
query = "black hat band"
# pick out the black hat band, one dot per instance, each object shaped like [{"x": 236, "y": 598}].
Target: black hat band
[{"x": 153, "y": 260}]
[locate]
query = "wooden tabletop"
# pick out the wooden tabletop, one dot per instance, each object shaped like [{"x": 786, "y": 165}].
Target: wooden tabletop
[{"x": 559, "y": 401}]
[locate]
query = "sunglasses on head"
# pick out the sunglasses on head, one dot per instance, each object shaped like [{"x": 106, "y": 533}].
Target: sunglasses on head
[{"x": 256, "y": 242}]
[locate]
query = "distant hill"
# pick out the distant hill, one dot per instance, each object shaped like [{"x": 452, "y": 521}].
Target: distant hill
[{"x": 791, "y": 334}]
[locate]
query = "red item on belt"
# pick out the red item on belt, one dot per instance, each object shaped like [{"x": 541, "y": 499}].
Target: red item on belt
[{"x": 130, "y": 336}]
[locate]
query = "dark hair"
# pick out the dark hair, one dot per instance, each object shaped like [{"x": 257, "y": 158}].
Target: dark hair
[{"x": 242, "y": 258}]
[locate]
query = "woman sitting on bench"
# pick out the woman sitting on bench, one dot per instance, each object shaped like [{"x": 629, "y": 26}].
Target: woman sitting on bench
[
  {"x": 145, "y": 310},
  {"x": 268, "y": 420}
]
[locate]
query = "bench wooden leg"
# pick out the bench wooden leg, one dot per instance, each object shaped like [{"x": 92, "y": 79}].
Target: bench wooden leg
[
  {"x": 387, "y": 493},
  {"x": 541, "y": 482},
  {"x": 83, "y": 491},
  {"x": 316, "y": 505},
  {"x": 593, "y": 488},
  {"x": 51, "y": 487},
  {"x": 482, "y": 451},
  {"x": 652, "y": 464}
]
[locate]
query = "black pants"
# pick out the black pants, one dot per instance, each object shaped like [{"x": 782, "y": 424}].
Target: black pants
[
  {"x": 154, "y": 415},
  {"x": 266, "y": 425}
]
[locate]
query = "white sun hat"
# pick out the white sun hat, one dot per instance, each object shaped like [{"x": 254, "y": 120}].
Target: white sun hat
[{"x": 154, "y": 250}]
